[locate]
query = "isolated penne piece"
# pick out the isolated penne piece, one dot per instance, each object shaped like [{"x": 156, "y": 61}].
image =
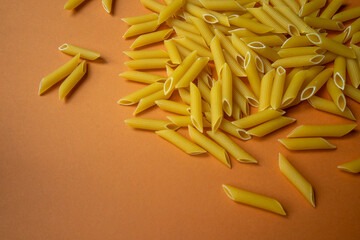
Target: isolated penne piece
[
  {"x": 270, "y": 126},
  {"x": 174, "y": 107},
  {"x": 353, "y": 71},
  {"x": 210, "y": 146},
  {"x": 170, "y": 10},
  {"x": 140, "y": 19},
  {"x": 227, "y": 89},
  {"x": 231, "y": 147},
  {"x": 142, "y": 77},
  {"x": 72, "y": 4},
  {"x": 340, "y": 72},
  {"x": 141, "y": 28},
  {"x": 252, "y": 73},
  {"x": 148, "y": 63},
  {"x": 196, "y": 111},
  {"x": 258, "y": 118},
  {"x": 192, "y": 72},
  {"x": 149, "y": 101},
  {"x": 278, "y": 88},
  {"x": 253, "y": 199},
  {"x": 315, "y": 143},
  {"x": 315, "y": 85},
  {"x": 347, "y": 14},
  {"x": 145, "y": 54},
  {"x": 292, "y": 91},
  {"x": 135, "y": 97},
  {"x": 216, "y": 106},
  {"x": 336, "y": 94},
  {"x": 330, "y": 45},
  {"x": 149, "y": 38},
  {"x": 58, "y": 74},
  {"x": 153, "y": 5},
  {"x": 107, "y": 5},
  {"x": 265, "y": 90},
  {"x": 330, "y": 107},
  {"x": 150, "y": 124},
  {"x": 331, "y": 9},
  {"x": 181, "y": 142},
  {"x": 322, "y": 130},
  {"x": 352, "y": 92},
  {"x": 70, "y": 82},
  {"x": 298, "y": 61},
  {"x": 299, "y": 51},
  {"x": 352, "y": 167},
  {"x": 297, "y": 179},
  {"x": 173, "y": 52}
]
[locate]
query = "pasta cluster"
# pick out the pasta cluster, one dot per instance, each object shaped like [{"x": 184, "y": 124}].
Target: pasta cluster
[
  {"x": 72, "y": 4},
  {"x": 230, "y": 55}
]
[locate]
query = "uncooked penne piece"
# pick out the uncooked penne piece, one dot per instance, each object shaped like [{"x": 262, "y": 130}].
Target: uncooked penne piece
[
  {"x": 185, "y": 96},
  {"x": 195, "y": 106},
  {"x": 228, "y": 46},
  {"x": 152, "y": 5},
  {"x": 293, "y": 89},
  {"x": 268, "y": 40},
  {"x": 328, "y": 24},
  {"x": 270, "y": 126},
  {"x": 244, "y": 90},
  {"x": 149, "y": 101},
  {"x": 298, "y": 61},
  {"x": 297, "y": 179},
  {"x": 191, "y": 45},
  {"x": 204, "y": 90},
  {"x": 252, "y": 73},
  {"x": 340, "y": 72},
  {"x": 278, "y": 88},
  {"x": 210, "y": 146},
  {"x": 331, "y": 9},
  {"x": 352, "y": 29},
  {"x": 203, "y": 29},
  {"x": 142, "y": 77},
  {"x": 243, "y": 32},
  {"x": 352, "y": 92},
  {"x": 192, "y": 72},
  {"x": 70, "y": 82},
  {"x": 295, "y": 19},
  {"x": 240, "y": 100},
  {"x": 338, "y": 130},
  {"x": 330, "y": 45},
  {"x": 148, "y": 63},
  {"x": 170, "y": 10},
  {"x": 150, "y": 124},
  {"x": 143, "y": 54},
  {"x": 181, "y": 142},
  {"x": 315, "y": 143},
  {"x": 315, "y": 85},
  {"x": 135, "y": 97},
  {"x": 216, "y": 106},
  {"x": 336, "y": 94},
  {"x": 197, "y": 38},
  {"x": 353, "y": 70},
  {"x": 231, "y": 147},
  {"x": 293, "y": 5},
  {"x": 222, "y": 5},
  {"x": 265, "y": 90},
  {"x": 149, "y": 38},
  {"x": 58, "y": 74},
  {"x": 266, "y": 19},
  {"x": 173, "y": 52},
  {"x": 264, "y": 51},
  {"x": 141, "y": 28},
  {"x": 235, "y": 67},
  {"x": 174, "y": 107},
  {"x": 218, "y": 55},
  {"x": 107, "y": 5},
  {"x": 226, "y": 80},
  {"x": 141, "y": 18},
  {"x": 201, "y": 13},
  {"x": 183, "y": 25},
  {"x": 72, "y": 4},
  {"x": 347, "y": 14},
  {"x": 253, "y": 26},
  {"x": 253, "y": 199},
  {"x": 298, "y": 51},
  {"x": 352, "y": 167},
  {"x": 330, "y": 107},
  {"x": 311, "y": 6},
  {"x": 258, "y": 118},
  {"x": 296, "y": 41},
  {"x": 355, "y": 39},
  {"x": 184, "y": 121}
]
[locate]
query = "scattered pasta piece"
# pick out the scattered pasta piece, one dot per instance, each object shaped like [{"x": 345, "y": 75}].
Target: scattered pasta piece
[{"x": 352, "y": 167}]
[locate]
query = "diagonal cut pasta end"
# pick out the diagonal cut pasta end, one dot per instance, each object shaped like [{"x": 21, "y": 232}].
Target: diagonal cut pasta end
[{"x": 243, "y": 135}]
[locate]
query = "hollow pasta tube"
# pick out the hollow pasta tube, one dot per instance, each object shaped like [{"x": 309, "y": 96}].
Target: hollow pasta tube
[
  {"x": 338, "y": 130},
  {"x": 70, "y": 82},
  {"x": 142, "y": 77},
  {"x": 336, "y": 94},
  {"x": 149, "y": 38},
  {"x": 270, "y": 126},
  {"x": 258, "y": 118},
  {"x": 352, "y": 167},
  {"x": 195, "y": 106},
  {"x": 150, "y": 124},
  {"x": 315, "y": 85},
  {"x": 314, "y": 143},
  {"x": 174, "y": 107},
  {"x": 265, "y": 90},
  {"x": 278, "y": 88},
  {"x": 216, "y": 106}
]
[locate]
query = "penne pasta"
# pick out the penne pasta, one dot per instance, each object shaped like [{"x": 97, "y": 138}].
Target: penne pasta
[
  {"x": 218, "y": 55},
  {"x": 321, "y": 130},
  {"x": 57, "y": 75},
  {"x": 72, "y": 4},
  {"x": 181, "y": 142},
  {"x": 293, "y": 89},
  {"x": 291, "y": 75},
  {"x": 144, "y": 54},
  {"x": 201, "y": 13},
  {"x": 298, "y": 51},
  {"x": 294, "y": 19},
  {"x": 173, "y": 52},
  {"x": 192, "y": 72},
  {"x": 153, "y": 5},
  {"x": 107, "y": 5},
  {"x": 315, "y": 84},
  {"x": 170, "y": 10},
  {"x": 270, "y": 126},
  {"x": 150, "y": 124},
  {"x": 269, "y": 40},
  {"x": 253, "y": 26},
  {"x": 229, "y": 47},
  {"x": 258, "y": 118},
  {"x": 340, "y": 72},
  {"x": 234, "y": 65},
  {"x": 197, "y": 38},
  {"x": 191, "y": 45},
  {"x": 142, "y": 77},
  {"x": 347, "y": 14},
  {"x": 195, "y": 106},
  {"x": 135, "y": 97},
  {"x": 226, "y": 80},
  {"x": 253, "y": 199},
  {"x": 352, "y": 92},
  {"x": 244, "y": 90},
  {"x": 141, "y": 28},
  {"x": 183, "y": 25},
  {"x": 203, "y": 28},
  {"x": 315, "y": 143},
  {"x": 278, "y": 88},
  {"x": 353, "y": 70},
  {"x": 140, "y": 19},
  {"x": 296, "y": 41},
  {"x": 174, "y": 107},
  {"x": 204, "y": 90},
  {"x": 252, "y": 73},
  {"x": 266, "y": 19},
  {"x": 311, "y": 6},
  {"x": 70, "y": 82},
  {"x": 297, "y": 179},
  {"x": 243, "y": 32},
  {"x": 149, "y": 101},
  {"x": 355, "y": 39},
  {"x": 336, "y": 94},
  {"x": 328, "y": 24},
  {"x": 330, "y": 107},
  {"x": 264, "y": 51},
  {"x": 150, "y": 38},
  {"x": 265, "y": 90},
  {"x": 216, "y": 106},
  {"x": 298, "y": 61},
  {"x": 293, "y": 5},
  {"x": 352, "y": 167},
  {"x": 148, "y": 63},
  {"x": 222, "y": 5},
  {"x": 210, "y": 146},
  {"x": 240, "y": 100},
  {"x": 352, "y": 29},
  {"x": 184, "y": 121},
  {"x": 185, "y": 96},
  {"x": 331, "y": 9}
]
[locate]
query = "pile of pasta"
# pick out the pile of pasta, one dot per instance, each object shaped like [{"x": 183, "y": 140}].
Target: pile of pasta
[
  {"x": 72, "y": 4},
  {"x": 230, "y": 55},
  {"x": 72, "y": 71}
]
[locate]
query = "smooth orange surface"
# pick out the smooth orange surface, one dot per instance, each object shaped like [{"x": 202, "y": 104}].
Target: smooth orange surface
[{"x": 73, "y": 170}]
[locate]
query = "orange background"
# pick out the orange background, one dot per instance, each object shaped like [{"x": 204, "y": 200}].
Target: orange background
[{"x": 73, "y": 170}]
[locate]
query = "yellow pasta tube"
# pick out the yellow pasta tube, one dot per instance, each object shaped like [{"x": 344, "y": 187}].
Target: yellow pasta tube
[
  {"x": 328, "y": 24},
  {"x": 314, "y": 143},
  {"x": 298, "y": 51},
  {"x": 170, "y": 10},
  {"x": 58, "y": 74},
  {"x": 270, "y": 126},
  {"x": 210, "y": 146},
  {"x": 296, "y": 41},
  {"x": 290, "y": 76},
  {"x": 315, "y": 85},
  {"x": 264, "y": 51},
  {"x": 297, "y": 179},
  {"x": 347, "y": 14},
  {"x": 191, "y": 45},
  {"x": 201, "y": 13},
  {"x": 150, "y": 124},
  {"x": 141, "y": 28},
  {"x": 269, "y": 40},
  {"x": 107, "y": 5},
  {"x": 203, "y": 29},
  {"x": 149, "y": 38},
  {"x": 253, "y": 26},
  {"x": 229, "y": 47},
  {"x": 181, "y": 142},
  {"x": 195, "y": 105},
  {"x": 218, "y": 56},
  {"x": 152, "y": 5},
  {"x": 266, "y": 19},
  {"x": 70, "y": 82},
  {"x": 293, "y": 5},
  {"x": 336, "y": 94},
  {"x": 352, "y": 29},
  {"x": 149, "y": 101},
  {"x": 185, "y": 96},
  {"x": 310, "y": 7},
  {"x": 142, "y": 77},
  {"x": 183, "y": 25},
  {"x": 222, "y": 5},
  {"x": 355, "y": 38},
  {"x": 245, "y": 91},
  {"x": 240, "y": 100},
  {"x": 184, "y": 121},
  {"x": 148, "y": 63},
  {"x": 298, "y": 61},
  {"x": 331, "y": 9},
  {"x": 216, "y": 106},
  {"x": 353, "y": 71},
  {"x": 253, "y": 199},
  {"x": 197, "y": 38},
  {"x": 243, "y": 32},
  {"x": 252, "y": 73},
  {"x": 339, "y": 130},
  {"x": 352, "y": 167},
  {"x": 174, "y": 107},
  {"x": 173, "y": 52},
  {"x": 136, "y": 96},
  {"x": 265, "y": 90},
  {"x": 141, "y": 18},
  {"x": 72, "y": 4},
  {"x": 352, "y": 92},
  {"x": 330, "y": 107},
  {"x": 143, "y": 54},
  {"x": 231, "y": 147},
  {"x": 258, "y": 118},
  {"x": 234, "y": 65},
  {"x": 204, "y": 90},
  {"x": 192, "y": 72},
  {"x": 330, "y": 45},
  {"x": 278, "y": 88},
  {"x": 226, "y": 79},
  {"x": 295, "y": 19},
  {"x": 293, "y": 89}
]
